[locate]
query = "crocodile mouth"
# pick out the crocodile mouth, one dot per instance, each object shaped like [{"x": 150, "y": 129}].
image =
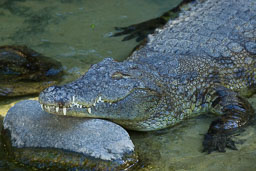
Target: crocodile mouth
[
  {"x": 75, "y": 108},
  {"x": 133, "y": 105}
]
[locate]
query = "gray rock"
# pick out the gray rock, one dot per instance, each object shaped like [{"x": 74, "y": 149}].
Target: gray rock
[{"x": 29, "y": 126}]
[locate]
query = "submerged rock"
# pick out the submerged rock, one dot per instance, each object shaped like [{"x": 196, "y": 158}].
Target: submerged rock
[
  {"x": 24, "y": 71},
  {"x": 43, "y": 140}
]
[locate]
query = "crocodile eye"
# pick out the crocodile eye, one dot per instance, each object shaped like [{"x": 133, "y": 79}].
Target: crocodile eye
[{"x": 119, "y": 75}]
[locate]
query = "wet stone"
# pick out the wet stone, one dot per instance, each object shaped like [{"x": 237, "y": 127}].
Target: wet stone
[
  {"x": 44, "y": 140},
  {"x": 24, "y": 71}
]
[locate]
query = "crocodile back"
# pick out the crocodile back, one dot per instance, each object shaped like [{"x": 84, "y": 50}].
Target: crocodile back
[{"x": 216, "y": 36}]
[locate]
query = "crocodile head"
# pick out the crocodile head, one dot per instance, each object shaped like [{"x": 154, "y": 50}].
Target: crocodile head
[{"x": 123, "y": 92}]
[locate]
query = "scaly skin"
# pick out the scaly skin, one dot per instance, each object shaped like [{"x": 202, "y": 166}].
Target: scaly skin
[{"x": 195, "y": 64}]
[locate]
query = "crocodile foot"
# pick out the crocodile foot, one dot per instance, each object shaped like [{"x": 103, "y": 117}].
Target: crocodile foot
[{"x": 217, "y": 142}]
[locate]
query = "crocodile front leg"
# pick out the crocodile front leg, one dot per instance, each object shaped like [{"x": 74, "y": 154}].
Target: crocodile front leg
[{"x": 236, "y": 113}]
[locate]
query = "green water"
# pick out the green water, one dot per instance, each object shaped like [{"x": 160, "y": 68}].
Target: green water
[{"x": 77, "y": 33}]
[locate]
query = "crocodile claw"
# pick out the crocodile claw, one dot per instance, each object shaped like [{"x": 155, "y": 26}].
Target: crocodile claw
[{"x": 217, "y": 142}]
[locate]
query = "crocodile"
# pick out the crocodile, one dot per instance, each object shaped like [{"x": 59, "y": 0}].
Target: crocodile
[{"x": 197, "y": 63}]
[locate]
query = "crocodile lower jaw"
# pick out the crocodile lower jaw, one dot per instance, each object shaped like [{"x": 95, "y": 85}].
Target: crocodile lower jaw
[
  {"x": 63, "y": 110},
  {"x": 74, "y": 106}
]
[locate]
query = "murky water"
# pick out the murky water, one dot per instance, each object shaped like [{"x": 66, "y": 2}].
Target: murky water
[{"x": 77, "y": 33}]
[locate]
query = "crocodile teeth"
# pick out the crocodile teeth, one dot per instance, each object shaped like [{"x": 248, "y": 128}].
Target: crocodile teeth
[
  {"x": 57, "y": 109},
  {"x": 99, "y": 100},
  {"x": 73, "y": 99},
  {"x": 89, "y": 110},
  {"x": 64, "y": 111},
  {"x": 42, "y": 107}
]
